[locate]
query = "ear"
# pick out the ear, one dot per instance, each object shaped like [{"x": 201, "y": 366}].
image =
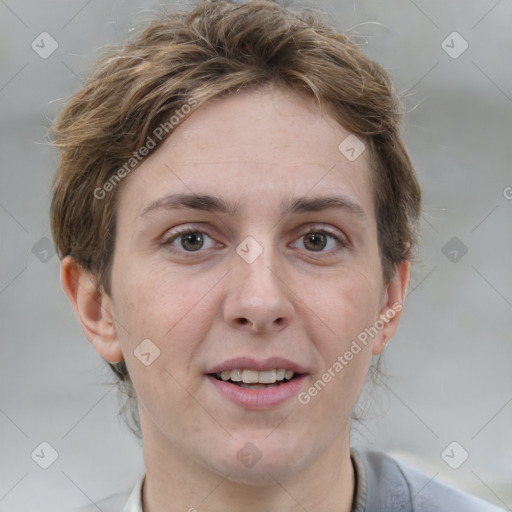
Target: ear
[
  {"x": 93, "y": 309},
  {"x": 392, "y": 305}
]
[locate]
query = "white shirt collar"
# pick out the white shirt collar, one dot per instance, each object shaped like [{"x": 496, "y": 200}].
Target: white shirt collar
[{"x": 134, "y": 503}]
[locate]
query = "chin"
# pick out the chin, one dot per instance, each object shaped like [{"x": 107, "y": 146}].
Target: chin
[
  {"x": 261, "y": 474},
  {"x": 258, "y": 463}
]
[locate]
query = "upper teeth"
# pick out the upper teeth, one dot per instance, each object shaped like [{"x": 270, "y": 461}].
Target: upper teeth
[{"x": 254, "y": 377}]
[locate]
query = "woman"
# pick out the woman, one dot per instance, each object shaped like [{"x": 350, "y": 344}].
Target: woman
[{"x": 236, "y": 214}]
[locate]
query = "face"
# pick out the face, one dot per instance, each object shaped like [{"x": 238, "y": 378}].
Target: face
[{"x": 263, "y": 273}]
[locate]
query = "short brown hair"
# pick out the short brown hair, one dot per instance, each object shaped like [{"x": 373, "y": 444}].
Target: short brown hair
[{"x": 219, "y": 48}]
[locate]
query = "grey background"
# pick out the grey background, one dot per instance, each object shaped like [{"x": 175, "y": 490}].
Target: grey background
[{"x": 449, "y": 366}]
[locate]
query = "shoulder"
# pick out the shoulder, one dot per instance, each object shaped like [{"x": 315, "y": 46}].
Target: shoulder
[{"x": 390, "y": 485}]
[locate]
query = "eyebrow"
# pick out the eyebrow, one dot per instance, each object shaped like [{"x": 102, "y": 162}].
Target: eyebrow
[{"x": 209, "y": 203}]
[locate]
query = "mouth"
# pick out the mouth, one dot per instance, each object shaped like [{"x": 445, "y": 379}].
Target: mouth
[
  {"x": 247, "y": 389},
  {"x": 252, "y": 379},
  {"x": 257, "y": 384}
]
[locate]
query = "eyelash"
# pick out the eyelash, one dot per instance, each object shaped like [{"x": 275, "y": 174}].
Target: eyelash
[{"x": 169, "y": 241}]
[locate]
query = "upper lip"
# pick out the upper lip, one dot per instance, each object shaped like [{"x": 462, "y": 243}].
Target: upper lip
[{"x": 248, "y": 363}]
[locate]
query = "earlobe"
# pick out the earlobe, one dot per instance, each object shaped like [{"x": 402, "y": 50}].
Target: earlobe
[
  {"x": 391, "y": 310},
  {"x": 93, "y": 309}
]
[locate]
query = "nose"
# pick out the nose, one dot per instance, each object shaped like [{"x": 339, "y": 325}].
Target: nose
[{"x": 259, "y": 298}]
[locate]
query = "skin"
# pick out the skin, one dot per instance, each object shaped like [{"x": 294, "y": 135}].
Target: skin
[{"x": 257, "y": 148}]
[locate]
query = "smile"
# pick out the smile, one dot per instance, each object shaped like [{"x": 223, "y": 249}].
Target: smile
[
  {"x": 253, "y": 379},
  {"x": 257, "y": 395}
]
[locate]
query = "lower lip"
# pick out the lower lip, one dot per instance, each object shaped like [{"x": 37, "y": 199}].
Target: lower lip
[{"x": 259, "y": 398}]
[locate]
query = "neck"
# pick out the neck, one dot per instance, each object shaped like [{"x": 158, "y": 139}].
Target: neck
[{"x": 175, "y": 483}]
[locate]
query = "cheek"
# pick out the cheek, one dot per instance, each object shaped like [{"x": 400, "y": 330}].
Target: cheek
[
  {"x": 346, "y": 306},
  {"x": 152, "y": 302},
  {"x": 346, "y": 302},
  {"x": 167, "y": 310},
  {"x": 174, "y": 319}
]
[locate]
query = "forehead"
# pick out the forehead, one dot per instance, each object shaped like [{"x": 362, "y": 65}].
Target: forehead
[{"x": 266, "y": 144}]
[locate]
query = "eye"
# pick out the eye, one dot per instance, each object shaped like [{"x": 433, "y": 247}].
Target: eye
[
  {"x": 316, "y": 240},
  {"x": 189, "y": 240},
  {"x": 192, "y": 240}
]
